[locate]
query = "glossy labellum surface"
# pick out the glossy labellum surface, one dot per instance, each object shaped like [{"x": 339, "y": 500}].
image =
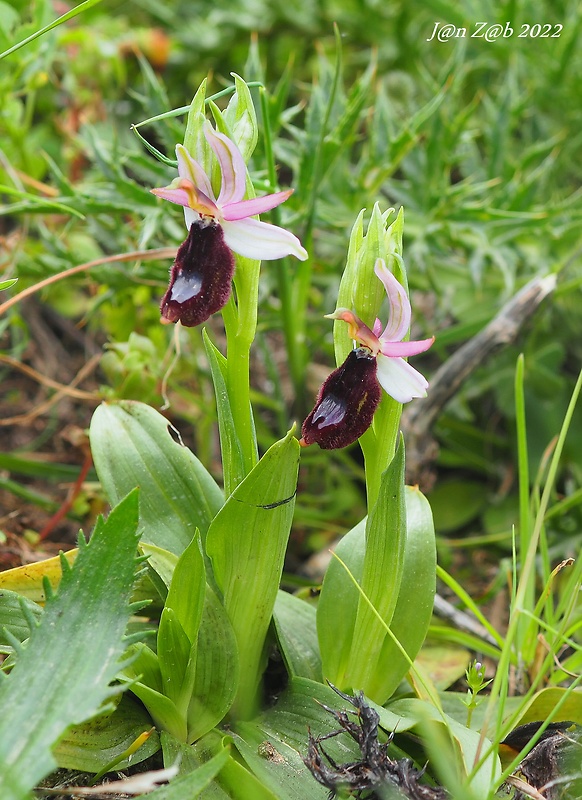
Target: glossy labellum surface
[
  {"x": 200, "y": 277},
  {"x": 345, "y": 404}
]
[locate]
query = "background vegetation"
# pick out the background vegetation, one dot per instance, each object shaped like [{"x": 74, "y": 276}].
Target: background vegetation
[{"x": 479, "y": 141}]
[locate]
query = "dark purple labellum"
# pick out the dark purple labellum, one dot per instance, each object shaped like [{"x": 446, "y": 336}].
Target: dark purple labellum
[
  {"x": 200, "y": 277},
  {"x": 345, "y": 404}
]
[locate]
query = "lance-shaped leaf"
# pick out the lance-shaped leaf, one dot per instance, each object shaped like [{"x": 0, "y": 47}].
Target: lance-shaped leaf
[
  {"x": 173, "y": 654},
  {"x": 296, "y": 629},
  {"x": 413, "y": 611},
  {"x": 217, "y": 669},
  {"x": 132, "y": 445},
  {"x": 230, "y": 446},
  {"x": 339, "y": 601},
  {"x": 145, "y": 681},
  {"x": 179, "y": 625},
  {"x": 94, "y": 744},
  {"x": 246, "y": 543},
  {"x": 187, "y": 690},
  {"x": 62, "y": 676},
  {"x": 208, "y": 671},
  {"x": 382, "y": 575}
]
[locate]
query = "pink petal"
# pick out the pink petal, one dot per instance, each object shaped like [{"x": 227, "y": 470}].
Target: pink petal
[
  {"x": 179, "y": 196},
  {"x": 232, "y": 166},
  {"x": 258, "y": 205},
  {"x": 190, "y": 169},
  {"x": 259, "y": 240},
  {"x": 405, "y": 349},
  {"x": 400, "y": 313},
  {"x": 184, "y": 190},
  {"x": 400, "y": 380}
]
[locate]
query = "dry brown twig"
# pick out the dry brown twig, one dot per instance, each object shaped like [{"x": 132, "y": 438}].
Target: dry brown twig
[{"x": 420, "y": 416}]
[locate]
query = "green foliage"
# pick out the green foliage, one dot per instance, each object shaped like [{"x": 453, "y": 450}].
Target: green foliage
[
  {"x": 403, "y": 542},
  {"x": 63, "y": 675},
  {"x": 248, "y": 537},
  {"x": 480, "y": 142},
  {"x": 132, "y": 446}
]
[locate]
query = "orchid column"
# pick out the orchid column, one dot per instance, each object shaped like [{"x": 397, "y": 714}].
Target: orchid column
[{"x": 224, "y": 243}]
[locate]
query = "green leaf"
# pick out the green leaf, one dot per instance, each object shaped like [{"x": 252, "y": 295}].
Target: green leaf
[
  {"x": 143, "y": 666},
  {"x": 187, "y": 589},
  {"x": 94, "y": 744},
  {"x": 230, "y": 447},
  {"x": 62, "y": 677},
  {"x": 453, "y": 748},
  {"x": 16, "y": 615},
  {"x": 295, "y": 626},
  {"x": 381, "y": 577},
  {"x": 336, "y": 612},
  {"x": 174, "y": 648},
  {"x": 8, "y": 283},
  {"x": 338, "y": 604},
  {"x": 274, "y": 744},
  {"x": 162, "y": 563},
  {"x": 246, "y": 543},
  {"x": 217, "y": 669},
  {"x": 413, "y": 612},
  {"x": 192, "y": 784},
  {"x": 187, "y": 688},
  {"x": 163, "y": 710},
  {"x": 132, "y": 446}
]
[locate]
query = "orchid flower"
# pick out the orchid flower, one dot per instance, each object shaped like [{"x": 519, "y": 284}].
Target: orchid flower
[
  {"x": 396, "y": 376},
  {"x": 346, "y": 402},
  {"x": 201, "y": 276}
]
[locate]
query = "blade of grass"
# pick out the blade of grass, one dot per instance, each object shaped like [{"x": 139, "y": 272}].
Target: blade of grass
[{"x": 63, "y": 18}]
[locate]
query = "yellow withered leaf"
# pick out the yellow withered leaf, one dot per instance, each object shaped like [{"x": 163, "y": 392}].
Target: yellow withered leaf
[{"x": 28, "y": 579}]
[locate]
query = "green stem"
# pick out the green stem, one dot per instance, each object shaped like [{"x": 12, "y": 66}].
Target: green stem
[
  {"x": 379, "y": 445},
  {"x": 240, "y": 324}
]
